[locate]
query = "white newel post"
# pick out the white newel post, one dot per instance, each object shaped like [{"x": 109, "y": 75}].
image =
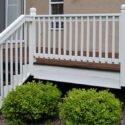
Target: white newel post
[
  {"x": 32, "y": 36},
  {"x": 122, "y": 45}
]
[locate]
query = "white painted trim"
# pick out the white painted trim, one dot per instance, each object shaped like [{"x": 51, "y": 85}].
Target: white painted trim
[
  {"x": 77, "y": 76},
  {"x": 79, "y": 15},
  {"x": 122, "y": 44},
  {"x": 56, "y": 2}
]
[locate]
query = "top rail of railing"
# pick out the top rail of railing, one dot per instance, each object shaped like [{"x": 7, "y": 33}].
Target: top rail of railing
[
  {"x": 12, "y": 28},
  {"x": 79, "y": 15}
]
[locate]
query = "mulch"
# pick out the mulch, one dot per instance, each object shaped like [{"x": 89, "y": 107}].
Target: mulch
[
  {"x": 57, "y": 122},
  {"x": 123, "y": 118}
]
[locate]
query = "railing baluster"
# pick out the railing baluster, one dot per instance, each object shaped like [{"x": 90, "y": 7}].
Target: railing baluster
[
  {"x": 88, "y": 37},
  {"x": 65, "y": 35},
  {"x": 59, "y": 38},
  {"x": 82, "y": 36},
  {"x": 76, "y": 36},
  {"x": 70, "y": 36},
  {"x": 16, "y": 55},
  {"x": 54, "y": 36},
  {"x": 106, "y": 38},
  {"x": 44, "y": 30},
  {"x": 39, "y": 35},
  {"x": 113, "y": 39},
  {"x": 49, "y": 35},
  {"x": 34, "y": 36},
  {"x": 6, "y": 65},
  {"x": 25, "y": 44},
  {"x": 94, "y": 37},
  {"x": 21, "y": 42},
  {"x": 11, "y": 61},
  {"x": 1, "y": 71},
  {"x": 100, "y": 38}
]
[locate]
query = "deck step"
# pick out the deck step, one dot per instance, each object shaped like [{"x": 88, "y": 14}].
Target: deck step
[{"x": 77, "y": 76}]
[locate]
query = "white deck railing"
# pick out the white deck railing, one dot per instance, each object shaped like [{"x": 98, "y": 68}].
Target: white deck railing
[
  {"x": 97, "y": 38},
  {"x": 88, "y": 37}
]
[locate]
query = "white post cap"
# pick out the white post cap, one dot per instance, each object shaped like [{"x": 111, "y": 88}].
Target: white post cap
[
  {"x": 123, "y": 7},
  {"x": 32, "y": 11}
]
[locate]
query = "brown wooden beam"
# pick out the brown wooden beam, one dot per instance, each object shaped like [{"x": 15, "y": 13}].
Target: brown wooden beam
[{"x": 76, "y": 64}]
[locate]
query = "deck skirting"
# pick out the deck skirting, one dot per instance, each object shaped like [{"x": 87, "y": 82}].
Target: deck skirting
[{"x": 77, "y": 76}]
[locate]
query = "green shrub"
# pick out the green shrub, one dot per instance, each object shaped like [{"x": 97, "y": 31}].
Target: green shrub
[
  {"x": 88, "y": 107},
  {"x": 31, "y": 102}
]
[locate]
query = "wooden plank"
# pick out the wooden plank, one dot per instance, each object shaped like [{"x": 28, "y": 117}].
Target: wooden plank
[{"x": 76, "y": 64}]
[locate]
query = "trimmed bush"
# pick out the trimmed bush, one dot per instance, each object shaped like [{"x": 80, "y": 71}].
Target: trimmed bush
[
  {"x": 89, "y": 107},
  {"x": 31, "y": 102}
]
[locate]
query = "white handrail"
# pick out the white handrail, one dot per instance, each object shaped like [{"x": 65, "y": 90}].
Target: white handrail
[
  {"x": 79, "y": 15},
  {"x": 12, "y": 28}
]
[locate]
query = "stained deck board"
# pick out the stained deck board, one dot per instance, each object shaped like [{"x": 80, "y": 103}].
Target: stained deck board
[{"x": 76, "y": 64}]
